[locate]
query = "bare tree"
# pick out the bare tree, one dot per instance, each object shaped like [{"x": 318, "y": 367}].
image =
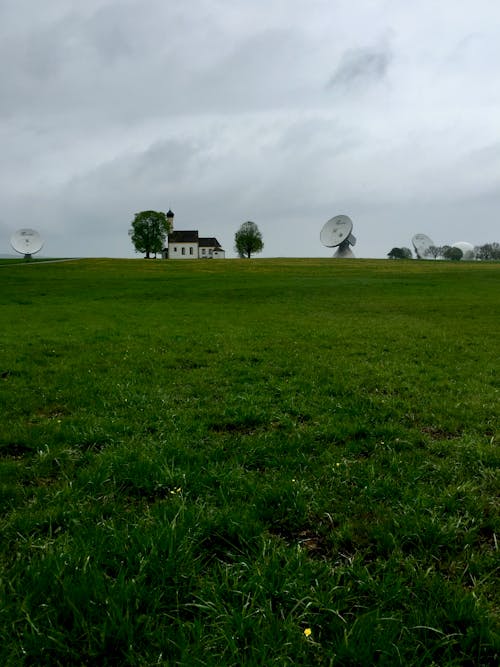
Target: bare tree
[
  {"x": 488, "y": 251},
  {"x": 434, "y": 251}
]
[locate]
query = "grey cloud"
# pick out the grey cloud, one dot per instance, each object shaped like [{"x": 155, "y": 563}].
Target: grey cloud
[
  {"x": 360, "y": 67},
  {"x": 485, "y": 156},
  {"x": 152, "y": 174},
  {"x": 120, "y": 63},
  {"x": 316, "y": 137},
  {"x": 263, "y": 71},
  {"x": 106, "y": 61},
  {"x": 115, "y": 33}
]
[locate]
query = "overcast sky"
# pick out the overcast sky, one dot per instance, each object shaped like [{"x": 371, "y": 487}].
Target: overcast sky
[{"x": 284, "y": 112}]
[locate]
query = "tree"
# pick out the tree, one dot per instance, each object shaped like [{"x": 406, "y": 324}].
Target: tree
[
  {"x": 248, "y": 240},
  {"x": 149, "y": 232},
  {"x": 452, "y": 253},
  {"x": 400, "y": 253},
  {"x": 488, "y": 251},
  {"x": 434, "y": 251}
]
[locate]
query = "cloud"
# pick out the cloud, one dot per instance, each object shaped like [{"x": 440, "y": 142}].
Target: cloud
[{"x": 359, "y": 68}]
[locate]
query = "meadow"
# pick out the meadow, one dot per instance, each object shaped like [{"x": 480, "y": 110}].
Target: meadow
[{"x": 264, "y": 462}]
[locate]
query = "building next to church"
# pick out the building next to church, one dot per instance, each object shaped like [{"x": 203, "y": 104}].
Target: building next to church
[{"x": 187, "y": 244}]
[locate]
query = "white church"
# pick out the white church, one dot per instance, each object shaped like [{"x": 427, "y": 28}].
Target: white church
[{"x": 187, "y": 244}]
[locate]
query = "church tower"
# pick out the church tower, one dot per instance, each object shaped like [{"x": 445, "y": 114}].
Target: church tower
[{"x": 170, "y": 218}]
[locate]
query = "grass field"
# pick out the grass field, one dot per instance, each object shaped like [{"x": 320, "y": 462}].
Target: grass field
[{"x": 265, "y": 462}]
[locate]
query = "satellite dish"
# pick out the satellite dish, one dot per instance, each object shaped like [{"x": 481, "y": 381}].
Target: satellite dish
[
  {"x": 337, "y": 233},
  {"x": 466, "y": 248},
  {"x": 422, "y": 243},
  {"x": 27, "y": 242}
]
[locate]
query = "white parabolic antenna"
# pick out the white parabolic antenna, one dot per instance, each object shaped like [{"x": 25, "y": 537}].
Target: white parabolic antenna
[
  {"x": 336, "y": 233},
  {"x": 466, "y": 248},
  {"x": 26, "y": 241},
  {"x": 422, "y": 243}
]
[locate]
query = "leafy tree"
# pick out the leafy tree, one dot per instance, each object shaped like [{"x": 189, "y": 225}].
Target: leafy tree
[
  {"x": 149, "y": 232},
  {"x": 248, "y": 240},
  {"x": 400, "y": 253},
  {"x": 452, "y": 253}
]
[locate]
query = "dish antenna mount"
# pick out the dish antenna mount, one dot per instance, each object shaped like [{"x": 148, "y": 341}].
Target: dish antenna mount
[
  {"x": 27, "y": 242},
  {"x": 337, "y": 233},
  {"x": 422, "y": 244}
]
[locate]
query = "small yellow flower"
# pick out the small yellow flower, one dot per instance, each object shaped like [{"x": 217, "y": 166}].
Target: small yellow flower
[{"x": 307, "y": 632}]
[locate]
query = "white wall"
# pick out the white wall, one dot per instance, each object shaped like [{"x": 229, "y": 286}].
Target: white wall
[
  {"x": 183, "y": 251},
  {"x": 211, "y": 252}
]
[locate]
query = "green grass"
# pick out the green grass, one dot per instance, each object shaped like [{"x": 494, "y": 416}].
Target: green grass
[
  {"x": 200, "y": 460},
  {"x": 7, "y": 261}
]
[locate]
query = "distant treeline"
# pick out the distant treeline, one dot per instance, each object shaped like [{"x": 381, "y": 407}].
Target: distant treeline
[{"x": 487, "y": 251}]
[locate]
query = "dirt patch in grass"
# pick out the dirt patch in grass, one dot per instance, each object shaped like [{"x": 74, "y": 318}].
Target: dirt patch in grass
[
  {"x": 436, "y": 433},
  {"x": 311, "y": 541},
  {"x": 244, "y": 427},
  {"x": 15, "y": 450}
]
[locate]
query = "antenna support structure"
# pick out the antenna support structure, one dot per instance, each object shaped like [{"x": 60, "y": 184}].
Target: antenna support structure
[{"x": 337, "y": 233}]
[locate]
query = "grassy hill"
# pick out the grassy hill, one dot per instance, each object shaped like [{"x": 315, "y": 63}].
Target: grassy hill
[{"x": 249, "y": 463}]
